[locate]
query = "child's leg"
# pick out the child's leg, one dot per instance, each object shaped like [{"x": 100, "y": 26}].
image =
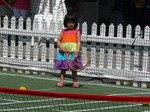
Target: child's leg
[
  {"x": 74, "y": 75},
  {"x": 62, "y": 77}
]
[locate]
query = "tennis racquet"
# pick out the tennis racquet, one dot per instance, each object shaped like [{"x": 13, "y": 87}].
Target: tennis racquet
[{"x": 76, "y": 61}]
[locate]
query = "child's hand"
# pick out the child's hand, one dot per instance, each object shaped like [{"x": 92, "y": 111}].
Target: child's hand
[{"x": 63, "y": 50}]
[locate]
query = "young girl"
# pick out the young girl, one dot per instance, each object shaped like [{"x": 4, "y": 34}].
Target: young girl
[{"x": 68, "y": 41}]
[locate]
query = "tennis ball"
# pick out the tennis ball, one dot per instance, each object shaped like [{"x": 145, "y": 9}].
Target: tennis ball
[
  {"x": 22, "y": 88},
  {"x": 145, "y": 103}
]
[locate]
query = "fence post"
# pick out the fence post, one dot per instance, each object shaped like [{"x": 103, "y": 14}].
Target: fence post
[
  {"x": 119, "y": 52},
  {"x": 13, "y": 37},
  {"x": 110, "y": 48},
  {"x": 145, "y": 55},
  {"x": 20, "y": 42},
  {"x": 137, "y": 55},
  {"x": 119, "y": 47},
  {"x": 5, "y": 40},
  {"x": 127, "y": 61},
  {"x": 102, "y": 47},
  {"x": 43, "y": 42},
  {"x": 28, "y": 43},
  {"x": 28, "y": 39},
  {"x": 145, "y": 50},
  {"x": 51, "y": 45},
  {"x": 35, "y": 29},
  {"x": 93, "y": 45},
  {"x": 84, "y": 38}
]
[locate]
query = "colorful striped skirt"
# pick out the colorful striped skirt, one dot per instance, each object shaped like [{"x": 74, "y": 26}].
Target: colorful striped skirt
[{"x": 60, "y": 61}]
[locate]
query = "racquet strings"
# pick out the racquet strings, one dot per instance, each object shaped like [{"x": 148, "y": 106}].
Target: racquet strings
[{"x": 78, "y": 61}]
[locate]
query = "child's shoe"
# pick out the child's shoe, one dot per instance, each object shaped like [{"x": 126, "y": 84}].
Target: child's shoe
[
  {"x": 75, "y": 85},
  {"x": 60, "y": 84}
]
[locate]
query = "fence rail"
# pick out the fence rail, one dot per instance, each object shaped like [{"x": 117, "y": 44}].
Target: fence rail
[{"x": 115, "y": 57}]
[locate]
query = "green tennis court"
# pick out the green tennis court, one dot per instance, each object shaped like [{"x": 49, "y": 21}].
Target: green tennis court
[
  {"x": 15, "y": 103},
  {"x": 48, "y": 83}
]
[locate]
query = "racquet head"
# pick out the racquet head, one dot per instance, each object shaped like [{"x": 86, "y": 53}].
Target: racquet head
[{"x": 77, "y": 61}]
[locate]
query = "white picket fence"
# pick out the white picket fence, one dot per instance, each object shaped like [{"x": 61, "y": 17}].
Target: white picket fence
[{"x": 114, "y": 57}]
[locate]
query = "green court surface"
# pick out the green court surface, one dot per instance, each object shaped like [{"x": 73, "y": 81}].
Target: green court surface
[
  {"x": 15, "y": 103},
  {"x": 48, "y": 83}
]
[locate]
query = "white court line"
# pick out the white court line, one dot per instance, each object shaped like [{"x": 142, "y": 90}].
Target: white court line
[
  {"x": 105, "y": 85},
  {"x": 31, "y": 101},
  {"x": 103, "y": 108},
  {"x": 46, "y": 89},
  {"x": 8, "y": 99},
  {"x": 48, "y": 106},
  {"x": 139, "y": 93}
]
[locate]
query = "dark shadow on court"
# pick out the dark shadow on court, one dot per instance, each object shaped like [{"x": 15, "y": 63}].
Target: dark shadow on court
[{"x": 69, "y": 85}]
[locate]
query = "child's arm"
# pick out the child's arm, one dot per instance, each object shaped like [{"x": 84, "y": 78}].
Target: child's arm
[
  {"x": 59, "y": 43},
  {"x": 78, "y": 41}
]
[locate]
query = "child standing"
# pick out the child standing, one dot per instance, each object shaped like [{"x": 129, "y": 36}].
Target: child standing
[{"x": 68, "y": 41}]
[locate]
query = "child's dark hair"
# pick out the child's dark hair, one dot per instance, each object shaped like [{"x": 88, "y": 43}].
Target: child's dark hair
[{"x": 70, "y": 17}]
